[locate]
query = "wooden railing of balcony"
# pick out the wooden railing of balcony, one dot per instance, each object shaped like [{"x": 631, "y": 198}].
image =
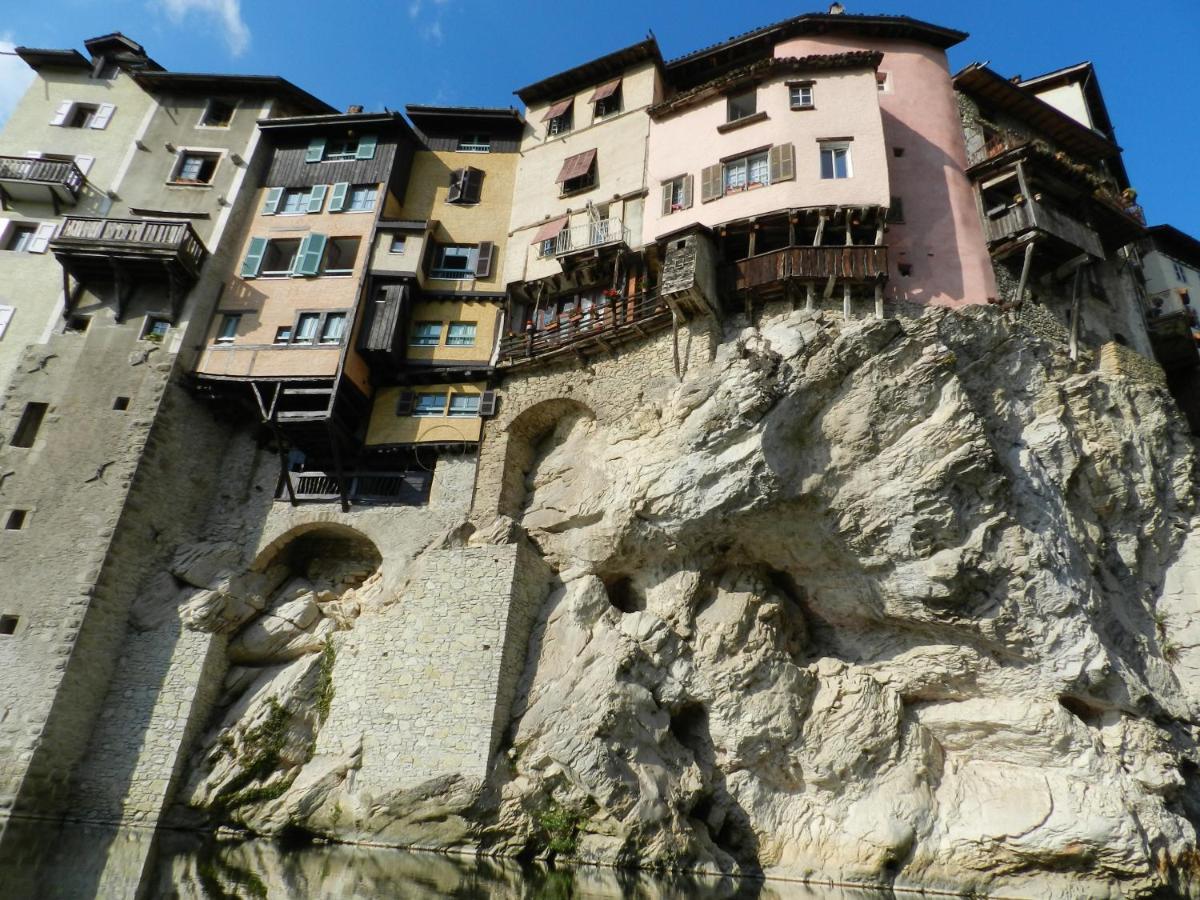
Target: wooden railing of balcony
[
  {"x": 1031, "y": 214},
  {"x": 853, "y": 264},
  {"x": 612, "y": 321},
  {"x": 406, "y": 488},
  {"x": 138, "y": 235},
  {"x": 42, "y": 171}
]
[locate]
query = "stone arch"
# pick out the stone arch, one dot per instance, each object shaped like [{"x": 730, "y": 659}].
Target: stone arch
[
  {"x": 522, "y": 437},
  {"x": 303, "y": 545}
]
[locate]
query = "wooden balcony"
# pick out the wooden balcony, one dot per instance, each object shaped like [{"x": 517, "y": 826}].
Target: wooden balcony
[
  {"x": 599, "y": 329},
  {"x": 26, "y": 178},
  {"x": 1020, "y": 219},
  {"x": 400, "y": 488},
  {"x": 846, "y": 265},
  {"x": 123, "y": 252}
]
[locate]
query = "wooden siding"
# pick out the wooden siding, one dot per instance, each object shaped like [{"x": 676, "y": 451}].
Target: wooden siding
[
  {"x": 288, "y": 168},
  {"x": 499, "y": 145},
  {"x": 852, "y": 264},
  {"x": 384, "y": 322}
]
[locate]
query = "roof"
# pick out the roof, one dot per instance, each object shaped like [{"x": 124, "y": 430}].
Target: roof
[
  {"x": 764, "y": 68},
  {"x": 386, "y": 121},
  {"x": 38, "y": 58},
  {"x": 463, "y": 118},
  {"x": 1173, "y": 242},
  {"x": 115, "y": 40},
  {"x": 201, "y": 82},
  {"x": 593, "y": 72},
  {"x": 699, "y": 65},
  {"x": 998, "y": 92}
]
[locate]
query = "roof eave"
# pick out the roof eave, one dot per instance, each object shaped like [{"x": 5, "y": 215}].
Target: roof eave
[{"x": 592, "y": 71}]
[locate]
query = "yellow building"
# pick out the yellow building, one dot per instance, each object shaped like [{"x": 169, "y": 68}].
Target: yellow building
[{"x": 437, "y": 282}]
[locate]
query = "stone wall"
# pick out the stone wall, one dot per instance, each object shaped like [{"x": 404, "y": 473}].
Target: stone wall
[{"x": 1117, "y": 359}]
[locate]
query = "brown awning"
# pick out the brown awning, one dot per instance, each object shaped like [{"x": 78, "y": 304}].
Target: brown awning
[
  {"x": 605, "y": 90},
  {"x": 576, "y": 165},
  {"x": 550, "y": 230},
  {"x": 558, "y": 109}
]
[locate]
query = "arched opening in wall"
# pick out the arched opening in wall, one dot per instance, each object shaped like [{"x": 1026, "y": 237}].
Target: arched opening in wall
[
  {"x": 531, "y": 435},
  {"x": 321, "y": 550}
]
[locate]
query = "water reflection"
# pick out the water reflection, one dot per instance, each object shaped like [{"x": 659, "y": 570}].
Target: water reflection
[{"x": 85, "y": 862}]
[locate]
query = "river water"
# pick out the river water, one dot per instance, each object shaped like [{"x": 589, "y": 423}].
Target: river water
[{"x": 80, "y": 862}]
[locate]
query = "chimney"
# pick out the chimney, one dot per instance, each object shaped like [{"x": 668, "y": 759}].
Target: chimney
[
  {"x": 836, "y": 9},
  {"x": 353, "y": 110}
]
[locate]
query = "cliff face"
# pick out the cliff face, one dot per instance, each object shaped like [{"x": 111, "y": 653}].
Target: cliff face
[{"x": 904, "y": 601}]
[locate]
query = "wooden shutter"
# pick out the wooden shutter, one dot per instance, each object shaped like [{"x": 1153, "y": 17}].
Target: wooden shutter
[
  {"x": 483, "y": 264},
  {"x": 6, "y": 314},
  {"x": 84, "y": 164},
  {"x": 41, "y": 238},
  {"x": 317, "y": 198},
  {"x": 316, "y": 150},
  {"x": 337, "y": 199},
  {"x": 308, "y": 257},
  {"x": 667, "y": 192},
  {"x": 457, "y": 177},
  {"x": 103, "y": 113},
  {"x": 782, "y": 162},
  {"x": 404, "y": 403},
  {"x": 271, "y": 205},
  {"x": 366, "y": 147},
  {"x": 487, "y": 404},
  {"x": 710, "y": 183},
  {"x": 472, "y": 185},
  {"x": 60, "y": 114},
  {"x": 689, "y": 185},
  {"x": 254, "y": 257}
]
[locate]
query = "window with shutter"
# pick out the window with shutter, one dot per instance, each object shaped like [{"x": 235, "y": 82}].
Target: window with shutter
[
  {"x": 366, "y": 147},
  {"x": 316, "y": 150},
  {"x": 337, "y": 198},
  {"x": 317, "y": 198},
  {"x": 689, "y": 188},
  {"x": 711, "y": 186},
  {"x": 488, "y": 403},
  {"x": 668, "y": 198},
  {"x": 271, "y": 204},
  {"x": 60, "y": 114},
  {"x": 404, "y": 403},
  {"x": 254, "y": 257},
  {"x": 483, "y": 264},
  {"x": 782, "y": 163},
  {"x": 308, "y": 260},
  {"x": 472, "y": 185},
  {"x": 457, "y": 177},
  {"x": 41, "y": 238},
  {"x": 103, "y": 114}
]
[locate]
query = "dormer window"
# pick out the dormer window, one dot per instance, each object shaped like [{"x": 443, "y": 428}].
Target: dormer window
[
  {"x": 217, "y": 114},
  {"x": 607, "y": 99},
  {"x": 741, "y": 106},
  {"x": 559, "y": 117},
  {"x": 475, "y": 143},
  {"x": 341, "y": 149}
]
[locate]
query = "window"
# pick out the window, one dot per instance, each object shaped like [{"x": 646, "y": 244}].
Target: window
[
  {"x": 337, "y": 149},
  {"x": 466, "y": 186},
  {"x": 1180, "y": 273},
  {"x": 397, "y": 245},
  {"x": 461, "y": 334},
  {"x": 218, "y": 114},
  {"x": 801, "y": 95},
  {"x": 20, "y": 238},
  {"x": 896, "y": 210},
  {"x": 739, "y": 106},
  {"x": 454, "y": 262},
  {"x": 294, "y": 202},
  {"x": 340, "y": 254},
  {"x": 80, "y": 324},
  {"x": 30, "y": 424},
  {"x": 430, "y": 405},
  {"x": 547, "y": 247},
  {"x": 333, "y": 328},
  {"x": 121, "y": 404},
  {"x": 464, "y": 404},
  {"x": 560, "y": 124},
  {"x": 283, "y": 334},
  {"x": 677, "y": 194},
  {"x": 155, "y": 329},
  {"x": 475, "y": 143},
  {"x": 83, "y": 115},
  {"x": 835, "y": 160},
  {"x": 16, "y": 520},
  {"x": 426, "y": 334},
  {"x": 340, "y": 149},
  {"x": 306, "y": 328},
  {"x": 278, "y": 258},
  {"x": 361, "y": 198},
  {"x": 883, "y": 81},
  {"x": 195, "y": 167},
  {"x": 607, "y": 99},
  {"x": 8, "y": 624},
  {"x": 229, "y": 328},
  {"x": 748, "y": 170}
]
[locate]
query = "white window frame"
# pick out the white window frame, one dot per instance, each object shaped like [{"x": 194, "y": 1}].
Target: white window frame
[
  {"x": 298, "y": 336},
  {"x": 341, "y": 155},
  {"x": 797, "y": 94},
  {"x": 303, "y": 196},
  {"x": 419, "y": 413},
  {"x": 322, "y": 339},
  {"x": 834, "y": 147},
  {"x": 438, "y": 272},
  {"x": 264, "y": 272},
  {"x": 746, "y": 163},
  {"x": 182, "y": 153},
  {"x": 370, "y": 189},
  {"x": 474, "y": 143},
  {"x": 1180, "y": 272},
  {"x": 330, "y": 245},
  {"x": 227, "y": 318},
  {"x": 555, "y": 127},
  {"x": 10, "y": 233},
  {"x": 453, "y": 341},
  {"x": 402, "y": 240},
  {"x": 731, "y": 97},
  {"x": 235, "y": 104},
  {"x": 472, "y": 410}
]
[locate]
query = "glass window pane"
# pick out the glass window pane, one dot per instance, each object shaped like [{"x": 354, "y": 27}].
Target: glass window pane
[
  {"x": 826, "y": 163},
  {"x": 426, "y": 334},
  {"x": 461, "y": 334},
  {"x": 430, "y": 405},
  {"x": 335, "y": 327},
  {"x": 464, "y": 404},
  {"x": 841, "y": 163},
  {"x": 759, "y": 171},
  {"x": 306, "y": 329}
]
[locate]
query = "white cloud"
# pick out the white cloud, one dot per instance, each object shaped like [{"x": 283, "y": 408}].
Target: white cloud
[
  {"x": 14, "y": 77},
  {"x": 228, "y": 14},
  {"x": 431, "y": 30}
]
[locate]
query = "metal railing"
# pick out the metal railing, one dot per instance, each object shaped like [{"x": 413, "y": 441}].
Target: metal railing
[
  {"x": 612, "y": 319},
  {"x": 148, "y": 234},
  {"x": 452, "y": 274},
  {"x": 592, "y": 234},
  {"x": 474, "y": 148},
  {"x": 42, "y": 171},
  {"x": 408, "y": 488}
]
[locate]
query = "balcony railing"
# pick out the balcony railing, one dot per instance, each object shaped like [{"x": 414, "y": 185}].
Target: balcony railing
[
  {"x": 994, "y": 146},
  {"x": 131, "y": 238},
  {"x": 61, "y": 176},
  {"x": 594, "y": 234},
  {"x": 611, "y": 322},
  {"x": 404, "y": 488},
  {"x": 1033, "y": 215},
  {"x": 854, "y": 265}
]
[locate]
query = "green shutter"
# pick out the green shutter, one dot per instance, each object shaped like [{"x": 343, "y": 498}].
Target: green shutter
[
  {"x": 316, "y": 150},
  {"x": 317, "y": 198},
  {"x": 274, "y": 195},
  {"x": 254, "y": 257},
  {"x": 337, "y": 200},
  {"x": 308, "y": 258},
  {"x": 366, "y": 147}
]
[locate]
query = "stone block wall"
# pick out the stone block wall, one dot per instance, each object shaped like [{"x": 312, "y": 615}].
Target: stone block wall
[{"x": 1117, "y": 359}]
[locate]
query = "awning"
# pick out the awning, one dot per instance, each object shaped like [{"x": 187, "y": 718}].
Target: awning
[
  {"x": 550, "y": 230},
  {"x": 576, "y": 165},
  {"x": 558, "y": 109},
  {"x": 605, "y": 91}
]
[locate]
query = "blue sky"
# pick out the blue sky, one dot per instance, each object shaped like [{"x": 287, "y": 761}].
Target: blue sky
[{"x": 475, "y": 52}]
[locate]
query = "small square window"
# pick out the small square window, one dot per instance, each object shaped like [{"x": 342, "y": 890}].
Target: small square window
[
  {"x": 464, "y": 404},
  {"x": 883, "y": 81},
  {"x": 156, "y": 329},
  {"x": 283, "y": 334},
  {"x": 340, "y": 149},
  {"x": 398, "y": 244},
  {"x": 218, "y": 114},
  {"x": 739, "y": 106},
  {"x": 801, "y": 96},
  {"x": 429, "y": 405},
  {"x": 334, "y": 328},
  {"x": 560, "y": 124},
  {"x": 121, "y": 404},
  {"x": 426, "y": 334},
  {"x": 897, "y": 152},
  {"x": 461, "y": 334},
  {"x": 340, "y": 254},
  {"x": 16, "y": 520},
  {"x": 196, "y": 168},
  {"x": 905, "y": 269},
  {"x": 81, "y": 115},
  {"x": 20, "y": 238},
  {"x": 229, "y": 328},
  {"x": 547, "y": 247},
  {"x": 306, "y": 328},
  {"x": 609, "y": 106},
  {"x": 361, "y": 198},
  {"x": 8, "y": 624},
  {"x": 78, "y": 324},
  {"x": 278, "y": 258}
]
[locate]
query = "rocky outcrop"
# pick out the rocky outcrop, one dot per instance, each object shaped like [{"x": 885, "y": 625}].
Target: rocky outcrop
[{"x": 898, "y": 602}]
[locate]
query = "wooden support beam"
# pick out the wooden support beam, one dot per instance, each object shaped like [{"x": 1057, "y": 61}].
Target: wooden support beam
[
  {"x": 879, "y": 299},
  {"x": 810, "y": 299},
  {"x": 1019, "y": 299},
  {"x": 829, "y": 287},
  {"x": 820, "y": 229},
  {"x": 847, "y": 309},
  {"x": 1076, "y": 311}
]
